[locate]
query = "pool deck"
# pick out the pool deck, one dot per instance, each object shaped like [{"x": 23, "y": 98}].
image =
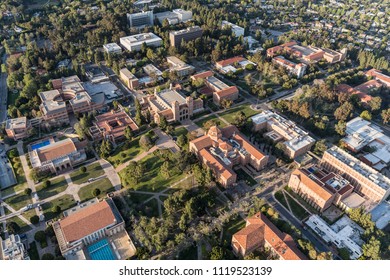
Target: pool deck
[{"x": 122, "y": 244}]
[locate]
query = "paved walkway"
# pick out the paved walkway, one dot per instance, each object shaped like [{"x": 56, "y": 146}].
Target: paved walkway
[
  {"x": 111, "y": 174},
  {"x": 26, "y": 169},
  {"x": 19, "y": 214}
]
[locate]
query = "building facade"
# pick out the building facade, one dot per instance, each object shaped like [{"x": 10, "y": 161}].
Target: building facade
[
  {"x": 181, "y": 68},
  {"x": 368, "y": 182},
  {"x": 186, "y": 35},
  {"x": 134, "y": 43},
  {"x": 17, "y": 128},
  {"x": 12, "y": 248},
  {"x": 129, "y": 78},
  {"x": 140, "y": 20},
  {"x": 293, "y": 68}
]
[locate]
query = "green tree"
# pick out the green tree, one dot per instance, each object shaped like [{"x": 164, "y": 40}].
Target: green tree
[
  {"x": 372, "y": 249},
  {"x": 239, "y": 119},
  {"x": 145, "y": 142},
  {"x": 40, "y": 236},
  {"x": 105, "y": 148},
  {"x": 226, "y": 103},
  {"x": 96, "y": 192},
  {"x": 320, "y": 147},
  {"x": 34, "y": 219},
  {"x": 46, "y": 184},
  {"x": 164, "y": 169},
  {"x": 217, "y": 253},
  {"x": 128, "y": 133},
  {"x": 366, "y": 115},
  {"x": 83, "y": 169},
  {"x": 340, "y": 128},
  {"x": 12, "y": 227},
  {"x": 385, "y": 114},
  {"x": 56, "y": 209},
  {"x": 163, "y": 123},
  {"x": 27, "y": 191},
  {"x": 375, "y": 103},
  {"x": 343, "y": 112},
  {"x": 181, "y": 141},
  {"x": 47, "y": 256}
]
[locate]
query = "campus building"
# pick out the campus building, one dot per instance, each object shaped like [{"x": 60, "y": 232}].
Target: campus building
[
  {"x": 57, "y": 157},
  {"x": 12, "y": 248},
  {"x": 140, "y": 20},
  {"x": 134, "y": 43},
  {"x": 296, "y": 140},
  {"x": 172, "y": 105},
  {"x": 236, "y": 30},
  {"x": 364, "y": 90},
  {"x": 368, "y": 182},
  {"x": 231, "y": 64},
  {"x": 379, "y": 76},
  {"x": 186, "y": 35},
  {"x": 112, "y": 48},
  {"x": 174, "y": 17},
  {"x": 129, "y": 78},
  {"x": 215, "y": 87},
  {"x": 307, "y": 54},
  {"x": 92, "y": 230},
  {"x": 261, "y": 233},
  {"x": 181, "y": 68},
  {"x": 68, "y": 96},
  {"x": 361, "y": 133},
  {"x": 292, "y": 67},
  {"x": 112, "y": 126},
  {"x": 321, "y": 188},
  {"x": 223, "y": 148},
  {"x": 17, "y": 128},
  {"x": 344, "y": 233}
]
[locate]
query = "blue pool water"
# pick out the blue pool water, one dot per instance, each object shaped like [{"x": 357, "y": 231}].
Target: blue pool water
[
  {"x": 40, "y": 145},
  {"x": 101, "y": 250}
]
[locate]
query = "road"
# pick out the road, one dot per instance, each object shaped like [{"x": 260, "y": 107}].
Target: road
[{"x": 3, "y": 93}]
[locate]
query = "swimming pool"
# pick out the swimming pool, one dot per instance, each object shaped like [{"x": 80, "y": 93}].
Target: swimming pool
[
  {"x": 101, "y": 250},
  {"x": 40, "y": 145}
]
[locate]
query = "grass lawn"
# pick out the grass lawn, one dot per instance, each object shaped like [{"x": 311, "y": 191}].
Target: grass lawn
[
  {"x": 136, "y": 198},
  {"x": 242, "y": 175},
  {"x": 65, "y": 202},
  {"x": 152, "y": 180},
  {"x": 302, "y": 201},
  {"x": 14, "y": 189},
  {"x": 229, "y": 115},
  {"x": 93, "y": 171},
  {"x": 104, "y": 185},
  {"x": 203, "y": 121},
  {"x": 297, "y": 209},
  {"x": 126, "y": 152},
  {"x": 23, "y": 226},
  {"x": 232, "y": 227},
  {"x": 28, "y": 214},
  {"x": 18, "y": 201},
  {"x": 150, "y": 208},
  {"x": 57, "y": 186},
  {"x": 180, "y": 131},
  {"x": 280, "y": 197}
]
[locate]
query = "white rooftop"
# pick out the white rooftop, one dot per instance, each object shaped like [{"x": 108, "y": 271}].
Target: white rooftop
[
  {"x": 360, "y": 133},
  {"x": 359, "y": 166},
  {"x": 344, "y": 233},
  {"x": 381, "y": 214}
]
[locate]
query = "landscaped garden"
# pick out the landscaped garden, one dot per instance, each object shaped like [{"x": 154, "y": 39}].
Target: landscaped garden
[
  {"x": 104, "y": 186},
  {"x": 209, "y": 118},
  {"x": 243, "y": 176},
  {"x": 18, "y": 201},
  {"x": 54, "y": 208},
  {"x": 230, "y": 114},
  {"x": 125, "y": 152},
  {"x": 93, "y": 171},
  {"x": 55, "y": 187}
]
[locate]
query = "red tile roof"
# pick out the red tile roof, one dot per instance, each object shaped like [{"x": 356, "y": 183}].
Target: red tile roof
[
  {"x": 227, "y": 92},
  {"x": 259, "y": 226},
  {"x": 87, "y": 221},
  {"x": 215, "y": 165},
  {"x": 202, "y": 75},
  {"x": 229, "y": 61},
  {"x": 56, "y": 150},
  {"x": 379, "y": 75},
  {"x": 314, "y": 185}
]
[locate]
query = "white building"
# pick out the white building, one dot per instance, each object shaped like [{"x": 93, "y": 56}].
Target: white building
[
  {"x": 182, "y": 69},
  {"x": 174, "y": 17},
  {"x": 12, "y": 248},
  {"x": 135, "y": 42},
  {"x": 237, "y": 30},
  {"x": 140, "y": 20},
  {"x": 293, "y": 68},
  {"x": 344, "y": 234},
  {"x": 361, "y": 133},
  {"x": 112, "y": 48},
  {"x": 296, "y": 140}
]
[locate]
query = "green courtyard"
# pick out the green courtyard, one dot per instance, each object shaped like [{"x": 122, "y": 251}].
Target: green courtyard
[{"x": 94, "y": 170}]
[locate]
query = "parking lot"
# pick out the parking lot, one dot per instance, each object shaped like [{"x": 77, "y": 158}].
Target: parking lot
[{"x": 7, "y": 177}]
